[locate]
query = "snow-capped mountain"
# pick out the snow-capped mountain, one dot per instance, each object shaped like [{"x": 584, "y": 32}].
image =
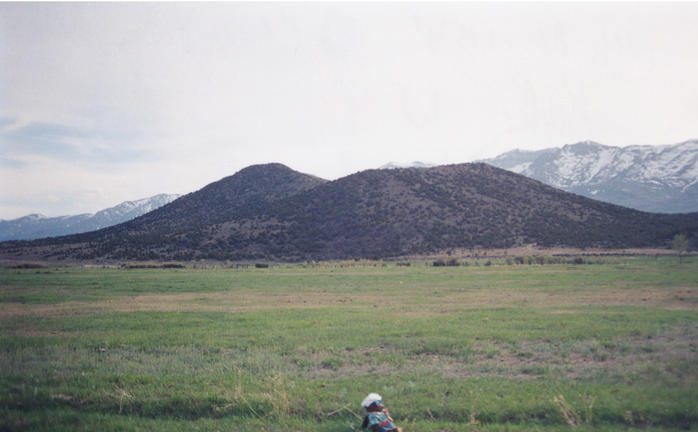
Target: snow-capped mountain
[
  {"x": 37, "y": 226},
  {"x": 415, "y": 164},
  {"x": 660, "y": 179}
]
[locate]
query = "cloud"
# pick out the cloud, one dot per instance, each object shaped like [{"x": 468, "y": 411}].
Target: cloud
[
  {"x": 42, "y": 138},
  {"x": 175, "y": 95},
  {"x": 70, "y": 143},
  {"x": 11, "y": 163},
  {"x": 6, "y": 122}
]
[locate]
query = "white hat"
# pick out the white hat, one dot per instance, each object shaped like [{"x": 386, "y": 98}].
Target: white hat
[{"x": 371, "y": 398}]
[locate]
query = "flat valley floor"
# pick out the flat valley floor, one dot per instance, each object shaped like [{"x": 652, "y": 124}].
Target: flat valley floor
[{"x": 609, "y": 343}]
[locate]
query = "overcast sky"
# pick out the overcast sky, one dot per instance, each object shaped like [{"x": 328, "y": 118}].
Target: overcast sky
[{"x": 102, "y": 103}]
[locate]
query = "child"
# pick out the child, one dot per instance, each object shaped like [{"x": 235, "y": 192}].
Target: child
[{"x": 377, "y": 417}]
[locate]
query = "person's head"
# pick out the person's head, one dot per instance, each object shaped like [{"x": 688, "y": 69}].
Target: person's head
[
  {"x": 372, "y": 402},
  {"x": 374, "y": 407}
]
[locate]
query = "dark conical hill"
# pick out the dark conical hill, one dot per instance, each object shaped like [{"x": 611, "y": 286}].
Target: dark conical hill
[
  {"x": 168, "y": 227},
  {"x": 272, "y": 212},
  {"x": 243, "y": 193}
]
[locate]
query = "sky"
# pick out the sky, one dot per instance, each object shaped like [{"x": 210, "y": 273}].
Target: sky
[{"x": 102, "y": 103}]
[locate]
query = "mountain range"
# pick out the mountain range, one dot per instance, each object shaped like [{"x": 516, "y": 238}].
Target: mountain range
[
  {"x": 273, "y": 212},
  {"x": 660, "y": 179},
  {"x": 37, "y": 226}
]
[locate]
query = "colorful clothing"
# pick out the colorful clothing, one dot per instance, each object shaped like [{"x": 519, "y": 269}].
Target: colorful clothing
[{"x": 381, "y": 419}]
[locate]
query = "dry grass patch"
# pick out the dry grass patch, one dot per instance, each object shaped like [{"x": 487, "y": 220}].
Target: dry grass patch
[
  {"x": 38, "y": 333},
  {"x": 229, "y": 301},
  {"x": 413, "y": 302},
  {"x": 680, "y": 298},
  {"x": 524, "y": 360}
]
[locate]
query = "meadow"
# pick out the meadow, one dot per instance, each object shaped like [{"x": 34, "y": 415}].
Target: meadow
[{"x": 607, "y": 345}]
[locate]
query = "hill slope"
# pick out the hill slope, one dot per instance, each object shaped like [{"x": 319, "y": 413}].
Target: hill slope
[
  {"x": 173, "y": 230},
  {"x": 37, "y": 226},
  {"x": 394, "y": 212},
  {"x": 243, "y": 193},
  {"x": 275, "y": 213},
  {"x": 650, "y": 178}
]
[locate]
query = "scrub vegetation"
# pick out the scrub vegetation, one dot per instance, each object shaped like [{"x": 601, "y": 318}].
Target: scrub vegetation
[
  {"x": 557, "y": 346},
  {"x": 271, "y": 212}
]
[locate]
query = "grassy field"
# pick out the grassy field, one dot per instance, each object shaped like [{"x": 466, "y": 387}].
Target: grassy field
[{"x": 610, "y": 345}]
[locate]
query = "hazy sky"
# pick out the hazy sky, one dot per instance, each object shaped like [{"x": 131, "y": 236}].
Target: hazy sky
[{"x": 106, "y": 102}]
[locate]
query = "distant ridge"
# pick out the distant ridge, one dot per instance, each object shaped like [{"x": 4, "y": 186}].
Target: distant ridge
[
  {"x": 650, "y": 178},
  {"x": 415, "y": 164},
  {"x": 272, "y": 212},
  {"x": 37, "y": 226}
]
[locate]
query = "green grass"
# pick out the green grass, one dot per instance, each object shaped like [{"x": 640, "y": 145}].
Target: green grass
[{"x": 609, "y": 346}]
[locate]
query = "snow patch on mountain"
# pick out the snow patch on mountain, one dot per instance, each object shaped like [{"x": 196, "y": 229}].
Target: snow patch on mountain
[
  {"x": 520, "y": 168},
  {"x": 35, "y": 226},
  {"x": 652, "y": 178},
  {"x": 415, "y": 164}
]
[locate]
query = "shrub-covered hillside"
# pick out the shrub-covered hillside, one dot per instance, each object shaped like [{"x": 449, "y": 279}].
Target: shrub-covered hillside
[{"x": 273, "y": 212}]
